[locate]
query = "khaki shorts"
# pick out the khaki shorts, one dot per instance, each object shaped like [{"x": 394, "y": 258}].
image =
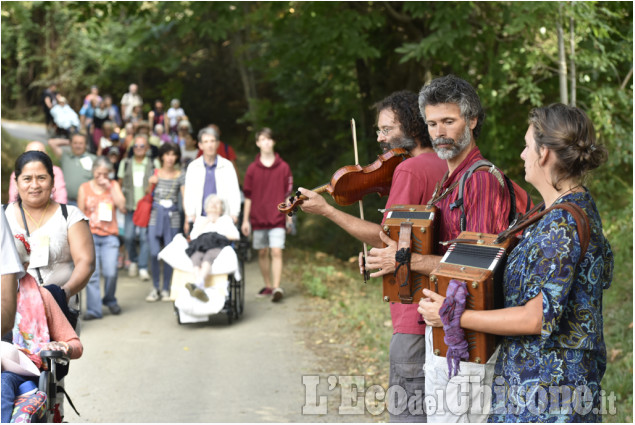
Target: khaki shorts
[{"x": 269, "y": 238}]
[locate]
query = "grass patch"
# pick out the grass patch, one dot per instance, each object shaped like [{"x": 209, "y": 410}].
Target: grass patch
[
  {"x": 618, "y": 312},
  {"x": 352, "y": 329}
]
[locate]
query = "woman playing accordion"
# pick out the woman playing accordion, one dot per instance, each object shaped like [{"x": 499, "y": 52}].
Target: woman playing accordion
[{"x": 552, "y": 356}]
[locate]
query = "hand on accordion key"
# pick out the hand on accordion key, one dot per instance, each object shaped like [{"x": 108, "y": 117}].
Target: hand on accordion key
[{"x": 429, "y": 307}]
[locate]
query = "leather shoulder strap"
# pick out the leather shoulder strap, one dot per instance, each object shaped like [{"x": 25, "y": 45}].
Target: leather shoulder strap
[{"x": 580, "y": 217}]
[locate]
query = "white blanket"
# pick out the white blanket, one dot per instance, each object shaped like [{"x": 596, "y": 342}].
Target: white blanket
[{"x": 174, "y": 255}]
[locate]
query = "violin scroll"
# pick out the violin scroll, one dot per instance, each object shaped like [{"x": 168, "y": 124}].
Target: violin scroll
[{"x": 291, "y": 207}]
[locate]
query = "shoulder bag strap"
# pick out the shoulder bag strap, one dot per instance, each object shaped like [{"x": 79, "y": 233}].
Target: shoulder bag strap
[{"x": 580, "y": 217}]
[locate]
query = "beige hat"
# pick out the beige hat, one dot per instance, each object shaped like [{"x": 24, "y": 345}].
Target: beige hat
[{"x": 14, "y": 360}]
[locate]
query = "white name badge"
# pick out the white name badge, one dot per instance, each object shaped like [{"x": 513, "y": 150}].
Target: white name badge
[
  {"x": 137, "y": 178},
  {"x": 39, "y": 251},
  {"x": 104, "y": 211},
  {"x": 166, "y": 203},
  {"x": 87, "y": 163}
]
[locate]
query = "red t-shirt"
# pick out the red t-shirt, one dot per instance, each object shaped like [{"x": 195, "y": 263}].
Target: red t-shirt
[
  {"x": 267, "y": 187},
  {"x": 485, "y": 200},
  {"x": 413, "y": 183}
]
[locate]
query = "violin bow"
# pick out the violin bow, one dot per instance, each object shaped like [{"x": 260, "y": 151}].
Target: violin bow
[{"x": 361, "y": 202}]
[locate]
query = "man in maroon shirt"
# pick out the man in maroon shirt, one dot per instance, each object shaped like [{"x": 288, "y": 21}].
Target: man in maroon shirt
[
  {"x": 400, "y": 126},
  {"x": 268, "y": 182},
  {"x": 454, "y": 115}
]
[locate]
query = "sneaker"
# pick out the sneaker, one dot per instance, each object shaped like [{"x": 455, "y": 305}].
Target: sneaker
[
  {"x": 165, "y": 295},
  {"x": 197, "y": 292},
  {"x": 114, "y": 309},
  {"x": 278, "y": 293},
  {"x": 143, "y": 274},
  {"x": 153, "y": 296},
  {"x": 89, "y": 316},
  {"x": 133, "y": 270},
  {"x": 264, "y": 292}
]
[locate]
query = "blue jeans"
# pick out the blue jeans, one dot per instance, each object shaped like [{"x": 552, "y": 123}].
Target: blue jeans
[
  {"x": 106, "y": 253},
  {"x": 156, "y": 243},
  {"x": 131, "y": 231},
  {"x": 10, "y": 384}
]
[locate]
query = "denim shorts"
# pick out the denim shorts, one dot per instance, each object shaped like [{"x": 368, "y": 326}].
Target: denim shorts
[{"x": 269, "y": 238}]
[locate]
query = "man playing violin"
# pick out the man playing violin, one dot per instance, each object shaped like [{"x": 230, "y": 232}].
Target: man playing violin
[
  {"x": 453, "y": 113},
  {"x": 400, "y": 126}
]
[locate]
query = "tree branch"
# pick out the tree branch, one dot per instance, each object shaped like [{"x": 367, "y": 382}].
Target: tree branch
[
  {"x": 396, "y": 15},
  {"x": 628, "y": 77}
]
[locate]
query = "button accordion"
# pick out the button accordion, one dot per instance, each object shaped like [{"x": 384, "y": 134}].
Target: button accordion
[
  {"x": 477, "y": 260},
  {"x": 412, "y": 227}
]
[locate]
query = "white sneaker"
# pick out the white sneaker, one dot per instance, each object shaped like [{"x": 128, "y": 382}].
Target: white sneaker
[
  {"x": 153, "y": 296},
  {"x": 278, "y": 293},
  {"x": 143, "y": 274},
  {"x": 165, "y": 295},
  {"x": 133, "y": 270}
]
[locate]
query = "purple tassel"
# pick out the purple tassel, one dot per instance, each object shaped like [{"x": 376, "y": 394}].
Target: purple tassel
[{"x": 450, "y": 312}]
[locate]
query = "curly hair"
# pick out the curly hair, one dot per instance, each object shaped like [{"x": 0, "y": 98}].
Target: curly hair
[
  {"x": 404, "y": 105},
  {"x": 452, "y": 89}
]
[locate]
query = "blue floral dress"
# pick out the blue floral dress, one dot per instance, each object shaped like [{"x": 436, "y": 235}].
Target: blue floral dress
[{"x": 555, "y": 376}]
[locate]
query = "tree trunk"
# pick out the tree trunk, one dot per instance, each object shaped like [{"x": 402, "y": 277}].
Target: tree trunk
[
  {"x": 572, "y": 72},
  {"x": 562, "y": 63}
]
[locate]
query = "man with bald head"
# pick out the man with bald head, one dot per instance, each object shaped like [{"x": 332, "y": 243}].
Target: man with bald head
[{"x": 59, "y": 189}]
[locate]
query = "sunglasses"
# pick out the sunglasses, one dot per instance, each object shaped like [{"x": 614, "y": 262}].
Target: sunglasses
[{"x": 139, "y": 146}]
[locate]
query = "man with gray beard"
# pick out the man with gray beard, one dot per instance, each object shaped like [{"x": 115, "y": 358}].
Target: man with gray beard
[
  {"x": 400, "y": 126},
  {"x": 454, "y": 115}
]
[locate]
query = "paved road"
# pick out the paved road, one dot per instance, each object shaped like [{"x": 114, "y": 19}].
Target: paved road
[
  {"x": 24, "y": 130},
  {"x": 142, "y": 366}
]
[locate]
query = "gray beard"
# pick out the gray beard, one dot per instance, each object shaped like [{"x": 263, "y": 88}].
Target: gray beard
[
  {"x": 400, "y": 142},
  {"x": 456, "y": 146}
]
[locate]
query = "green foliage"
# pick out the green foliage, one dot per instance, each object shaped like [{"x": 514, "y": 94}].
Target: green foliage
[{"x": 314, "y": 281}]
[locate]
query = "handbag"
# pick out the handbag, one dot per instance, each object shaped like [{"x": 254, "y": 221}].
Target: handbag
[{"x": 141, "y": 216}]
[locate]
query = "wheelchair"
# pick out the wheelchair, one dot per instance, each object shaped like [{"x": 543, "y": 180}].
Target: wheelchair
[
  {"x": 225, "y": 285},
  {"x": 43, "y": 406}
]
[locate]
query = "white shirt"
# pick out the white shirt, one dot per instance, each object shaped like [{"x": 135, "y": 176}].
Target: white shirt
[
  {"x": 10, "y": 260},
  {"x": 60, "y": 262},
  {"x": 224, "y": 225},
  {"x": 226, "y": 186}
]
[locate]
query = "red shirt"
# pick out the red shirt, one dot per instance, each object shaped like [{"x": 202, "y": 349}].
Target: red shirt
[
  {"x": 485, "y": 200},
  {"x": 413, "y": 183},
  {"x": 267, "y": 187}
]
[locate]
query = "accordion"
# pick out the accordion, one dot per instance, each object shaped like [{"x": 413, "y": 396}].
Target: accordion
[
  {"x": 412, "y": 227},
  {"x": 477, "y": 260}
]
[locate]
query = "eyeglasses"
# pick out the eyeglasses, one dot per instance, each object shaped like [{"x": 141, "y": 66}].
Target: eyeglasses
[
  {"x": 384, "y": 131},
  {"x": 139, "y": 146}
]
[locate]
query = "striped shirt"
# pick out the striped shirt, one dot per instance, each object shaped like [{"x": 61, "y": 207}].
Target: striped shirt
[
  {"x": 168, "y": 189},
  {"x": 485, "y": 200}
]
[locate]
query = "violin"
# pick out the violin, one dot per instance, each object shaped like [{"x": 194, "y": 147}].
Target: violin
[{"x": 351, "y": 183}]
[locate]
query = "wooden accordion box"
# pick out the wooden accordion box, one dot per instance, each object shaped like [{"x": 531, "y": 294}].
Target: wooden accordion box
[
  {"x": 477, "y": 261},
  {"x": 411, "y": 226}
]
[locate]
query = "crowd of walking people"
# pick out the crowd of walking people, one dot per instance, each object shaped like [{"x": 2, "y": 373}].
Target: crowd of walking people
[{"x": 112, "y": 155}]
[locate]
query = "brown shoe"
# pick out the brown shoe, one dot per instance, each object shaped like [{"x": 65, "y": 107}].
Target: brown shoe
[
  {"x": 278, "y": 293},
  {"x": 197, "y": 292}
]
